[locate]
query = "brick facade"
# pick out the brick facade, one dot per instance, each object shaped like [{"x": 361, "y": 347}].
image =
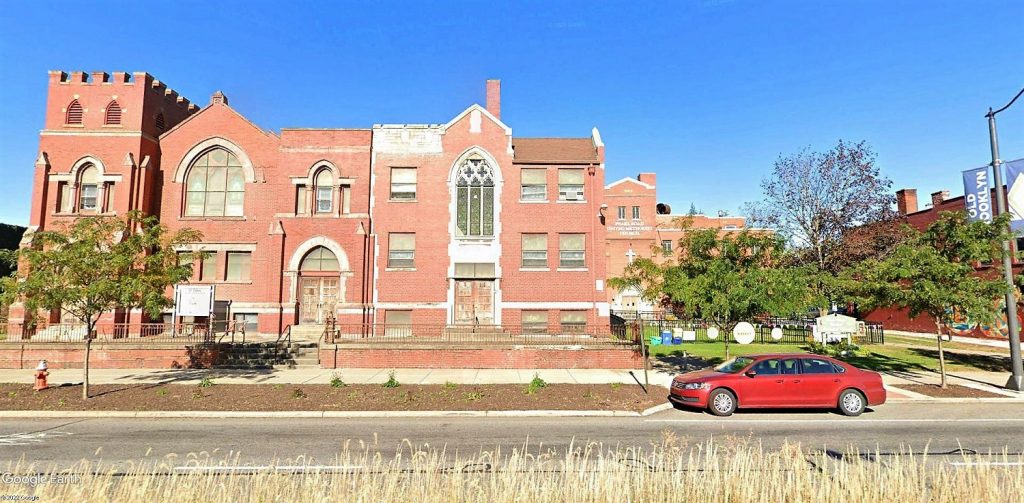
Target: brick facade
[{"x": 297, "y": 224}]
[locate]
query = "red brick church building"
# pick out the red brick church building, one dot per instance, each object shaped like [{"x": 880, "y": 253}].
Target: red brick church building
[{"x": 460, "y": 223}]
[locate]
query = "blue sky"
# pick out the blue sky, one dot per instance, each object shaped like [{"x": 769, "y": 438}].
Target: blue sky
[{"x": 705, "y": 93}]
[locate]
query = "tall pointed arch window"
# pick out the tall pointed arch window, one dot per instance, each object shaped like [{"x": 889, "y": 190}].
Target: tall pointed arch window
[
  {"x": 474, "y": 192},
  {"x": 74, "y": 114},
  {"x": 324, "y": 191},
  {"x": 112, "y": 116},
  {"x": 215, "y": 185}
]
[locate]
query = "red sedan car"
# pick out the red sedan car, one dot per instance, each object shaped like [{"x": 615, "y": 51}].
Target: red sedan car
[{"x": 778, "y": 381}]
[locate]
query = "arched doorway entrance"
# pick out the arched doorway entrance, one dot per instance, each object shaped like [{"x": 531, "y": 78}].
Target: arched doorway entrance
[{"x": 318, "y": 286}]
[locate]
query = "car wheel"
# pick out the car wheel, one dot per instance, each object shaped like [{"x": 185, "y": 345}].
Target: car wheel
[
  {"x": 851, "y": 402},
  {"x": 721, "y": 402}
]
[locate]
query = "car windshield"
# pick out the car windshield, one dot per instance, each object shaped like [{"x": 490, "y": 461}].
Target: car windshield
[{"x": 734, "y": 366}]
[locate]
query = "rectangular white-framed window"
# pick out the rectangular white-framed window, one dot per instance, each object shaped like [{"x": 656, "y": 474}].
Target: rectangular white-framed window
[
  {"x": 88, "y": 197},
  {"x": 534, "y": 184},
  {"x": 571, "y": 251},
  {"x": 535, "y": 251},
  {"x": 535, "y": 322},
  {"x": 403, "y": 184},
  {"x": 324, "y": 199},
  {"x": 570, "y": 184},
  {"x": 636, "y": 213},
  {"x": 666, "y": 245},
  {"x": 239, "y": 266},
  {"x": 301, "y": 200},
  {"x": 208, "y": 267},
  {"x": 249, "y": 321},
  {"x": 397, "y": 323},
  {"x": 573, "y": 321},
  {"x": 401, "y": 250},
  {"x": 622, "y": 212}
]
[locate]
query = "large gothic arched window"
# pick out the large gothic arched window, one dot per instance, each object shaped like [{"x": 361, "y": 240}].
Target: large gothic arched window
[
  {"x": 474, "y": 191},
  {"x": 215, "y": 186}
]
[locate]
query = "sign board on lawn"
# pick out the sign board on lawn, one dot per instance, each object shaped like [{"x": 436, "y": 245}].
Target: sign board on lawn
[
  {"x": 835, "y": 327},
  {"x": 193, "y": 300}
]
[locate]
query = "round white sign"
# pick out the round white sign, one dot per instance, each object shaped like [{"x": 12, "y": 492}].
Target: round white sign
[
  {"x": 743, "y": 333},
  {"x": 777, "y": 334},
  {"x": 712, "y": 333}
]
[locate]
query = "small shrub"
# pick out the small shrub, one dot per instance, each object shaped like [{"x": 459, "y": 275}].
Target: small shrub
[
  {"x": 336, "y": 381},
  {"x": 62, "y": 402},
  {"x": 616, "y": 385},
  {"x": 197, "y": 394},
  {"x": 12, "y": 394},
  {"x": 298, "y": 394},
  {"x": 278, "y": 386},
  {"x": 473, "y": 396},
  {"x": 588, "y": 394},
  {"x": 839, "y": 350},
  {"x": 161, "y": 392},
  {"x": 391, "y": 382},
  {"x": 206, "y": 383},
  {"x": 450, "y": 385},
  {"x": 535, "y": 385}
]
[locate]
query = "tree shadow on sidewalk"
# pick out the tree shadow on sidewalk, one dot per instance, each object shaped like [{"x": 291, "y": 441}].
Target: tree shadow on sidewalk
[{"x": 678, "y": 362}]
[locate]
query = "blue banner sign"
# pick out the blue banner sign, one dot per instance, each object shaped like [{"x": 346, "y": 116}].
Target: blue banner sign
[
  {"x": 977, "y": 196},
  {"x": 1015, "y": 193}
]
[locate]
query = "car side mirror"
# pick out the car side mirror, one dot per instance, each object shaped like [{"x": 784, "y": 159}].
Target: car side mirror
[{"x": 750, "y": 373}]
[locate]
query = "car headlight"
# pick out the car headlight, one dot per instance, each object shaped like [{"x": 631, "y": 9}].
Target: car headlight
[{"x": 695, "y": 385}]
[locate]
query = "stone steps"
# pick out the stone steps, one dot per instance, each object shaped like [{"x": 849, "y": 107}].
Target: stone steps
[{"x": 267, "y": 355}]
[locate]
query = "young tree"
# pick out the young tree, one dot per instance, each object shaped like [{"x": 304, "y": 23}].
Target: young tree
[
  {"x": 933, "y": 273},
  {"x": 813, "y": 199},
  {"x": 98, "y": 264},
  {"x": 723, "y": 279}
]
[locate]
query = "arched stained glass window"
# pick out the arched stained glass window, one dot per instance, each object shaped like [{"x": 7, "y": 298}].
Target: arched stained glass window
[
  {"x": 319, "y": 259},
  {"x": 215, "y": 186},
  {"x": 474, "y": 191}
]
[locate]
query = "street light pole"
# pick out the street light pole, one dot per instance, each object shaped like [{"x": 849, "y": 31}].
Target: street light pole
[{"x": 1016, "y": 381}]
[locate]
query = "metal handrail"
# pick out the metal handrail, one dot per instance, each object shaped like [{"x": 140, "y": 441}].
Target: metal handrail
[{"x": 285, "y": 334}]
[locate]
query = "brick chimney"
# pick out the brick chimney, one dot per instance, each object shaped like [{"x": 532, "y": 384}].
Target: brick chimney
[
  {"x": 906, "y": 201},
  {"x": 494, "y": 97},
  {"x": 938, "y": 197}
]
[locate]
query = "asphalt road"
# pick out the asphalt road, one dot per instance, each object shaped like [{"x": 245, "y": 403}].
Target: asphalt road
[{"x": 982, "y": 427}]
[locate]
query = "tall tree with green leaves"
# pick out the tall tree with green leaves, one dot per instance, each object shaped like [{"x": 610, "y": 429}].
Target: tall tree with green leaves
[
  {"x": 98, "y": 264},
  {"x": 723, "y": 279},
  {"x": 933, "y": 273}
]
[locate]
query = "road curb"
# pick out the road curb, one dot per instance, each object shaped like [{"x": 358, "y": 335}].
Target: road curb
[{"x": 200, "y": 414}]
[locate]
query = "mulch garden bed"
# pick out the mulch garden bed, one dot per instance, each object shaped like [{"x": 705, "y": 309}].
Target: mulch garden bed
[
  {"x": 317, "y": 397},
  {"x": 951, "y": 391}
]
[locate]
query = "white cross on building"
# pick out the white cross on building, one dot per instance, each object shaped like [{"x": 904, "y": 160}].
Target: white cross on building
[{"x": 630, "y": 255}]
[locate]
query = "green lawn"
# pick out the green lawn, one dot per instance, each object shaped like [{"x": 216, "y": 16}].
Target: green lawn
[{"x": 916, "y": 356}]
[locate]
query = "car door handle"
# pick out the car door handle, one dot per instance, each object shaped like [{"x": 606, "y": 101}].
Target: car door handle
[
  {"x": 778, "y": 380},
  {"x": 796, "y": 380},
  {"x": 835, "y": 380}
]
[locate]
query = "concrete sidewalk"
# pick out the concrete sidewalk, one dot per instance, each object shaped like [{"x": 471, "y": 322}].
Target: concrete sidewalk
[{"x": 350, "y": 376}]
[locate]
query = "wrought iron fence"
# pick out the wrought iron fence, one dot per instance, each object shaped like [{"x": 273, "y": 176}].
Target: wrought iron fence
[
  {"x": 470, "y": 335},
  {"x": 155, "y": 333},
  {"x": 793, "y": 330}
]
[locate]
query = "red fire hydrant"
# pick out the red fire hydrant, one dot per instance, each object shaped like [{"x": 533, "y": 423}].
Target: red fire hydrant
[{"x": 41, "y": 374}]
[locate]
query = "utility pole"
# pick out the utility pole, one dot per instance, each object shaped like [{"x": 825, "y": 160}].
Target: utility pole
[{"x": 1016, "y": 381}]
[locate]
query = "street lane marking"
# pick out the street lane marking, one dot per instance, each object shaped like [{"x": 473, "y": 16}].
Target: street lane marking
[
  {"x": 267, "y": 467},
  {"x": 30, "y": 438},
  {"x": 985, "y": 463},
  {"x": 834, "y": 421}
]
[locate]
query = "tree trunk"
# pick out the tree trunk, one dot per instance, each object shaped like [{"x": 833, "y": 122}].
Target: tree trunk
[
  {"x": 85, "y": 365},
  {"x": 942, "y": 356}
]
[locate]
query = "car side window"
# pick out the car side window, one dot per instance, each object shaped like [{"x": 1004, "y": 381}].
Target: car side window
[
  {"x": 815, "y": 366},
  {"x": 790, "y": 366},
  {"x": 767, "y": 367}
]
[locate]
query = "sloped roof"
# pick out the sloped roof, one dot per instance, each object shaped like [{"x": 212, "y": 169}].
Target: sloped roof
[{"x": 554, "y": 150}]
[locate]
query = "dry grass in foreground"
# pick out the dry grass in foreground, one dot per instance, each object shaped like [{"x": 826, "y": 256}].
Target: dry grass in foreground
[{"x": 669, "y": 472}]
